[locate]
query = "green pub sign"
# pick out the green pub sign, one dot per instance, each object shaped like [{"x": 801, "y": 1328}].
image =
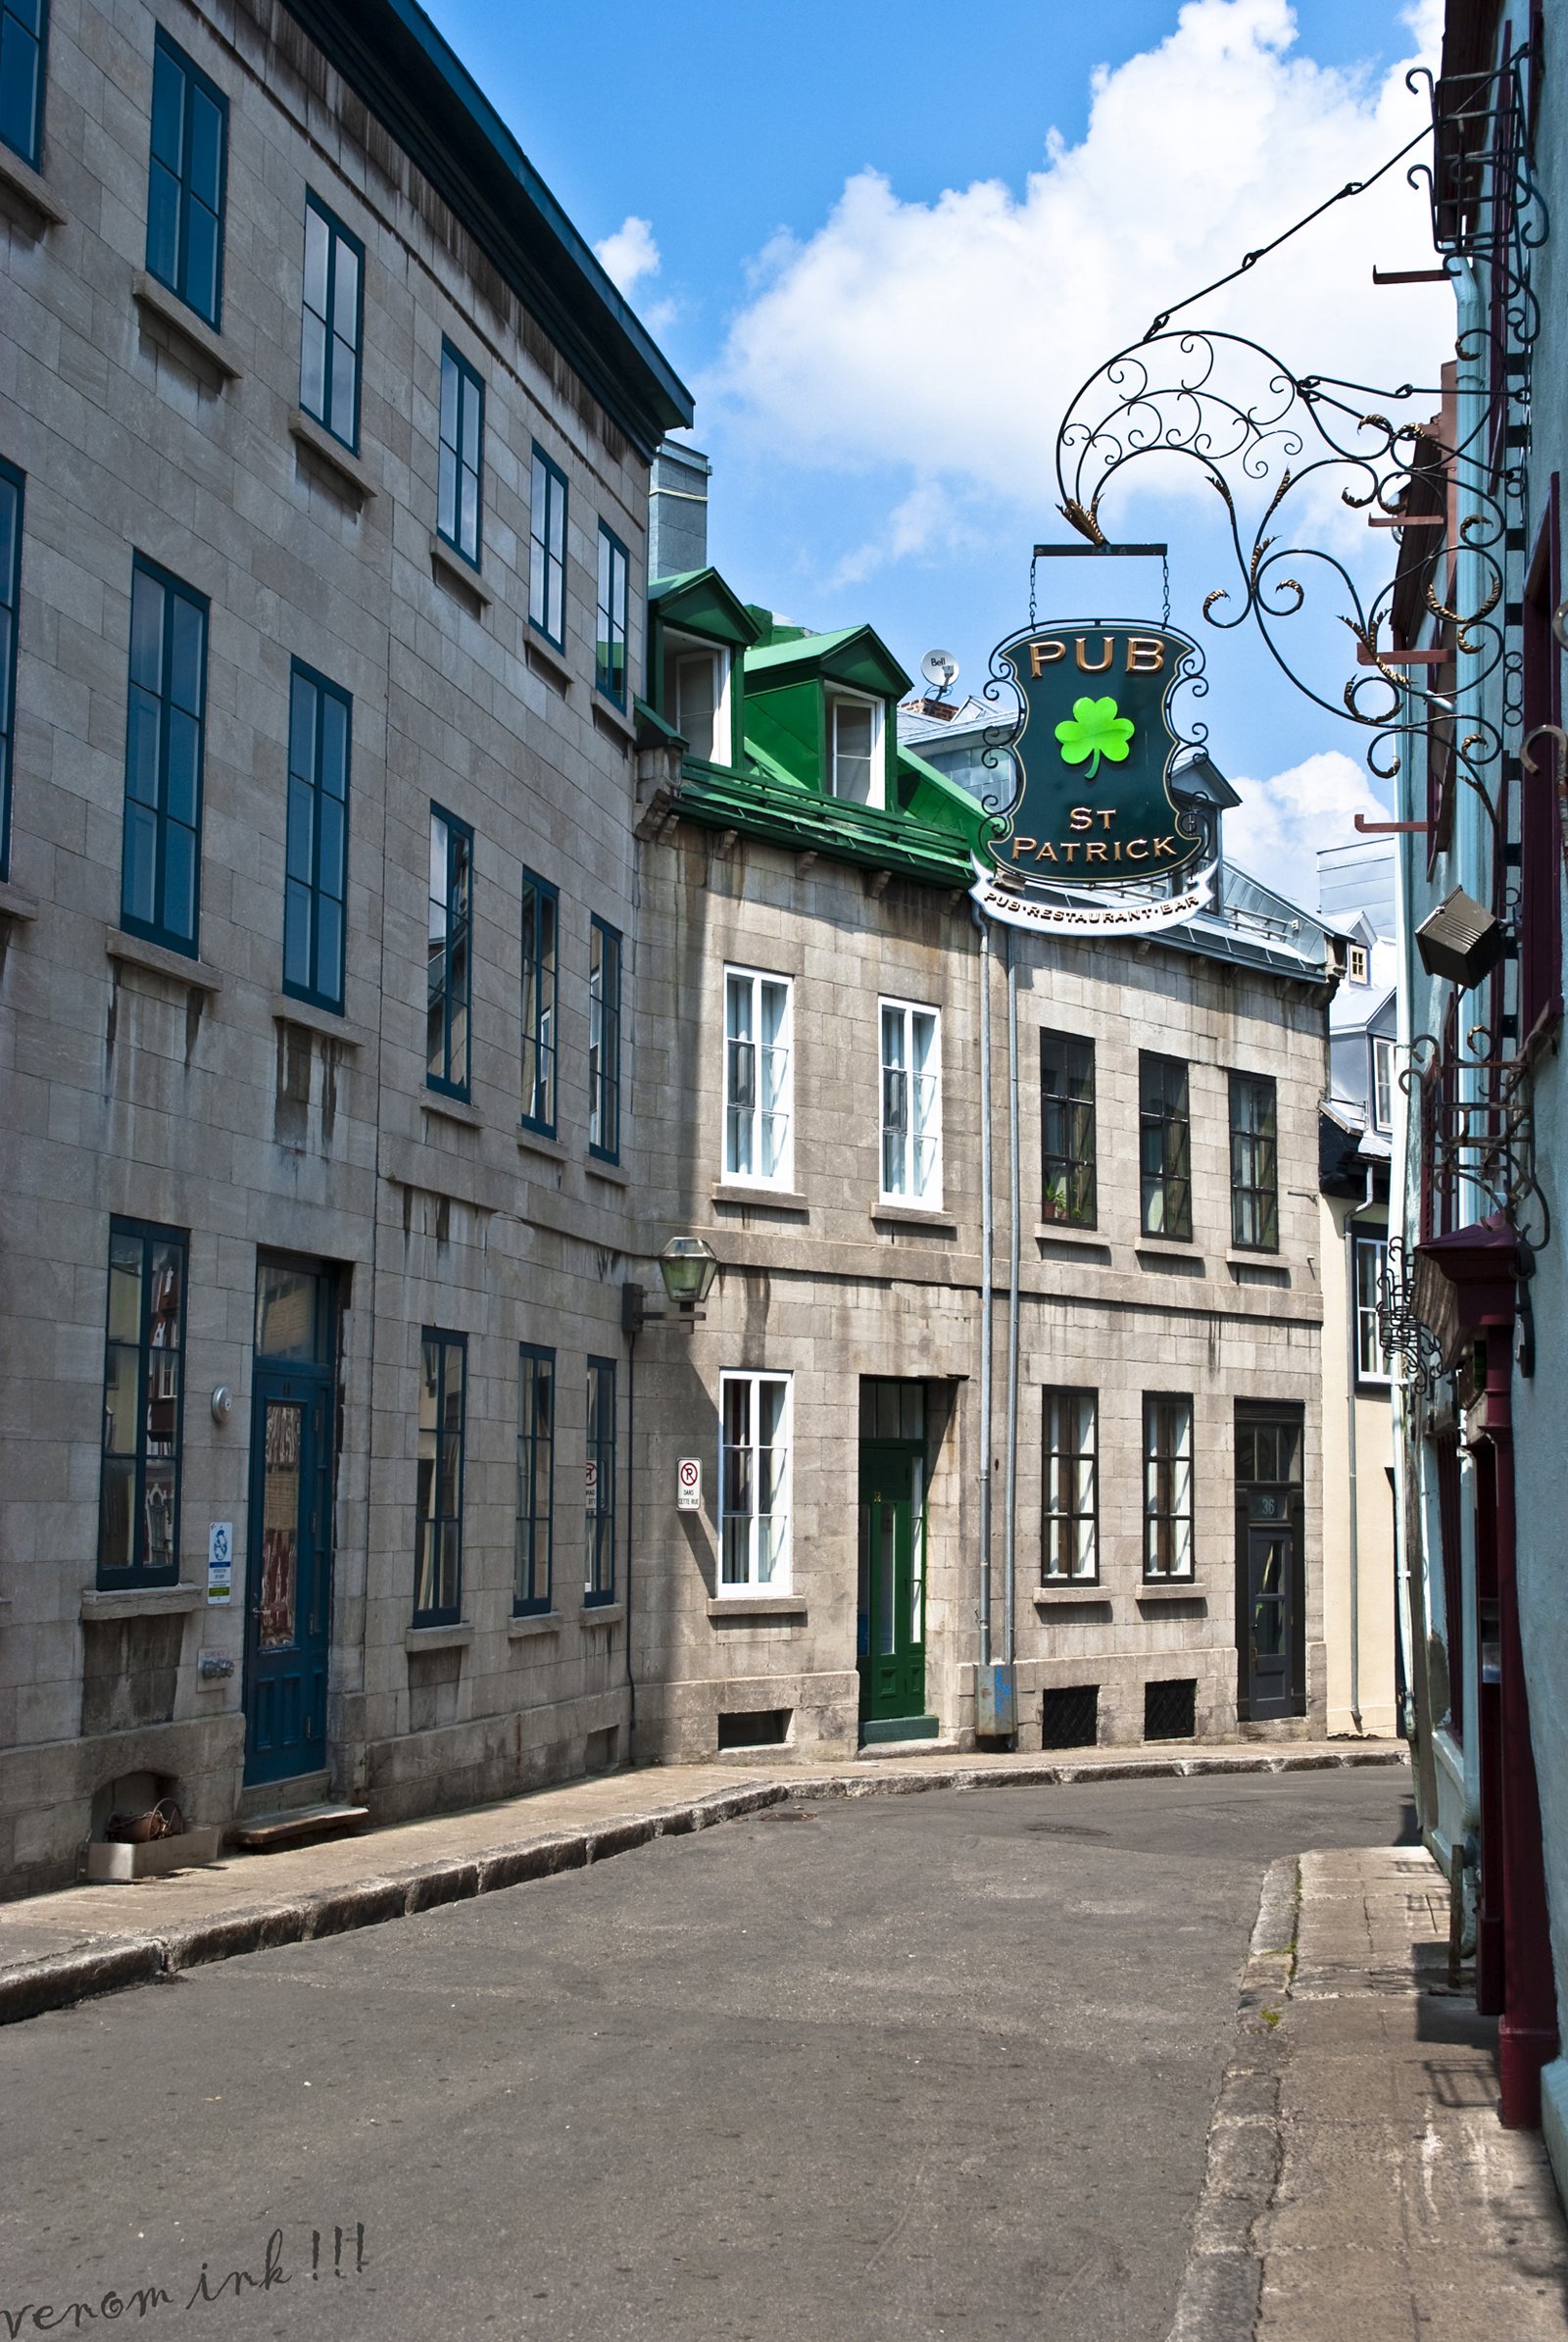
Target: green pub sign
[{"x": 1094, "y": 752}]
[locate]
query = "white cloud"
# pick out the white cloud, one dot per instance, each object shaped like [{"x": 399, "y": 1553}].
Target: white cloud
[
  {"x": 945, "y": 339},
  {"x": 1281, "y": 823},
  {"x": 630, "y": 254}
]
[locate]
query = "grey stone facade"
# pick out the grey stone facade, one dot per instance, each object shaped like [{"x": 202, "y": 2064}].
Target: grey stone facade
[
  {"x": 830, "y": 1285},
  {"x": 192, "y": 1093}
]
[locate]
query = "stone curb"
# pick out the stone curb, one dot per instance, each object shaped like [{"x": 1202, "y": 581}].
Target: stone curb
[
  {"x": 38, "y": 1986},
  {"x": 1223, "y": 2284}
]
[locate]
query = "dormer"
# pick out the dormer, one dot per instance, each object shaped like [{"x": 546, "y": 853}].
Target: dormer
[
  {"x": 820, "y": 709},
  {"x": 699, "y": 633}
]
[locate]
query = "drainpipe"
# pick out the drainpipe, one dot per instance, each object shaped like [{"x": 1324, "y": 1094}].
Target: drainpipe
[
  {"x": 987, "y": 1238},
  {"x": 1353, "y": 1361},
  {"x": 1011, "y": 1536}
]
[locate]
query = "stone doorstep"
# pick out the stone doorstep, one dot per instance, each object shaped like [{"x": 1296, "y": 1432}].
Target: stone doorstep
[
  {"x": 115, "y": 1959},
  {"x": 295, "y": 1826}
]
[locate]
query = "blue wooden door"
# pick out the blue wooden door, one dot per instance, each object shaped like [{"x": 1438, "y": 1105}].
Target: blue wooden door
[{"x": 289, "y": 1548}]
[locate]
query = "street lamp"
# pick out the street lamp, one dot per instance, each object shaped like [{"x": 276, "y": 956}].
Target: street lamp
[{"x": 687, "y": 1265}]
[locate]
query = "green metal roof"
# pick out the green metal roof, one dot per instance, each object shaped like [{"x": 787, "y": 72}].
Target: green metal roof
[
  {"x": 853, "y": 654},
  {"x": 772, "y": 806},
  {"x": 701, "y": 599}
]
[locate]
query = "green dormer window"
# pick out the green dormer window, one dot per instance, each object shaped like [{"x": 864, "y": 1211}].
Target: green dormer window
[
  {"x": 855, "y": 749},
  {"x": 697, "y": 695}
]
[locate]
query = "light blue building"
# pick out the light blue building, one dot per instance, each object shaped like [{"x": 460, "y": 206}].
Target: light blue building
[{"x": 1479, "y": 1293}]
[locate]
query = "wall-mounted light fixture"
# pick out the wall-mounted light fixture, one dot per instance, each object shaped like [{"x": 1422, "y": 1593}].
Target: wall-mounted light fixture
[
  {"x": 1460, "y": 939},
  {"x": 687, "y": 1267}
]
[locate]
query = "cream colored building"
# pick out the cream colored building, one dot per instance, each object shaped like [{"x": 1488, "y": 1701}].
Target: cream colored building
[{"x": 1360, "y": 1591}]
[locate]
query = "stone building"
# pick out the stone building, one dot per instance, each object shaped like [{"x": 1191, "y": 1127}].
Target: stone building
[
  {"x": 411, "y": 919},
  {"x": 325, "y": 487},
  {"x": 822, "y": 1011}
]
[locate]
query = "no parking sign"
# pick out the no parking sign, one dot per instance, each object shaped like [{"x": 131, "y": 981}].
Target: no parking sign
[{"x": 689, "y": 1484}]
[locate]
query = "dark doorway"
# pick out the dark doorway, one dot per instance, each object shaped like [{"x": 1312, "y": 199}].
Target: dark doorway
[
  {"x": 289, "y": 1549},
  {"x": 1270, "y": 1574},
  {"x": 891, "y": 1620}
]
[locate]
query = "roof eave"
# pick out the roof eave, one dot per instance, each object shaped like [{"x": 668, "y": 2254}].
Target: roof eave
[{"x": 414, "y": 82}]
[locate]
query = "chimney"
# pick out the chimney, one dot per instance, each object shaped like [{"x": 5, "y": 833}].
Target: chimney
[{"x": 677, "y": 511}]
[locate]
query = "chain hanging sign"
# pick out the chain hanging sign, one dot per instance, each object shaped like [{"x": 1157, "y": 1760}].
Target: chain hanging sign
[{"x": 1092, "y": 836}]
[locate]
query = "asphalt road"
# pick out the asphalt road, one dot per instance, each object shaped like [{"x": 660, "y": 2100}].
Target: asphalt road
[{"x": 912, "y": 2066}]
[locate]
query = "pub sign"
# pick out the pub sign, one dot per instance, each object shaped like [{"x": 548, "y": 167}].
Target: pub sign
[{"x": 1092, "y": 757}]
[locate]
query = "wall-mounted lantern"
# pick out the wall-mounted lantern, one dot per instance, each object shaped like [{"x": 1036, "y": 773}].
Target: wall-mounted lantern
[{"x": 687, "y": 1267}]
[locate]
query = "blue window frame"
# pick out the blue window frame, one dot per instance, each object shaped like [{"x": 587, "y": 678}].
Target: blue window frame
[
  {"x": 332, "y": 322},
  {"x": 450, "y": 964},
  {"x": 11, "y": 487},
  {"x": 144, "y": 1343},
  {"x": 443, "y": 1428},
  {"x": 23, "y": 31},
  {"x": 315, "y": 862},
  {"x": 599, "y": 1485},
  {"x": 541, "y": 926},
  {"x": 536, "y": 1478},
  {"x": 458, "y": 491},
  {"x": 604, "y": 1041},
  {"x": 610, "y": 631},
  {"x": 547, "y": 550},
  {"x": 185, "y": 182},
  {"x": 160, "y": 895}
]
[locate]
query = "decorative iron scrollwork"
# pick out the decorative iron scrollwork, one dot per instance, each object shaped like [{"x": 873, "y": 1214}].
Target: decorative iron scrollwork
[
  {"x": 1401, "y": 1333},
  {"x": 1268, "y": 439},
  {"x": 1475, "y": 1113}
]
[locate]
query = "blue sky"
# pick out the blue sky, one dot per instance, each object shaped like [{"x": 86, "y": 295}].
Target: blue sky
[{"x": 887, "y": 250}]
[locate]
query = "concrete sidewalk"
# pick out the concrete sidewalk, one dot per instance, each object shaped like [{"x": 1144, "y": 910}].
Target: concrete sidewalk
[
  {"x": 64, "y": 1947},
  {"x": 1358, "y": 2178}
]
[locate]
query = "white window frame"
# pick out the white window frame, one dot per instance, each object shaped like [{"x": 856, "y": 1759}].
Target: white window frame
[
  {"x": 908, "y": 1194},
  {"x": 1182, "y": 1516},
  {"x": 1360, "y": 964},
  {"x": 836, "y": 699},
  {"x": 740, "y": 1503},
  {"x": 1382, "y": 1082},
  {"x": 1368, "y": 1343},
  {"x": 1069, "y": 1486},
  {"x": 678, "y": 646},
  {"x": 782, "y": 1176}
]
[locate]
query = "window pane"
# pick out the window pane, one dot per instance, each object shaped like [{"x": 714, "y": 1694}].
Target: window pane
[
  {"x": 316, "y": 240},
  {"x": 142, "y": 1403},
  {"x": 146, "y": 631},
  {"x": 168, "y": 109},
  {"x": 692, "y": 698},
  {"x": 853, "y": 726},
  {"x": 206, "y": 149},
  {"x": 346, "y": 293}
]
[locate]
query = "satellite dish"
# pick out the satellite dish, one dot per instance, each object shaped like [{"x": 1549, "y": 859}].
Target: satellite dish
[{"x": 939, "y": 668}]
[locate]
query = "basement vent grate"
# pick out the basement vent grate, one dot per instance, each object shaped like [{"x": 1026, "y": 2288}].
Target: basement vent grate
[
  {"x": 1170, "y": 1710},
  {"x": 756, "y": 1727},
  {"x": 1070, "y": 1718}
]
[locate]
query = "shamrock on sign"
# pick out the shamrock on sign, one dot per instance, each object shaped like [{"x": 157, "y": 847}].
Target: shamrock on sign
[{"x": 1092, "y": 731}]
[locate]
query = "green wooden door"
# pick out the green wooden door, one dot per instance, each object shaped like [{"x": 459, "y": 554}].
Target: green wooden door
[{"x": 891, "y": 1627}]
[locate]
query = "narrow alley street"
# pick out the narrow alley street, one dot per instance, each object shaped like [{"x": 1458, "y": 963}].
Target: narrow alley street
[{"x": 898, "y": 2067}]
